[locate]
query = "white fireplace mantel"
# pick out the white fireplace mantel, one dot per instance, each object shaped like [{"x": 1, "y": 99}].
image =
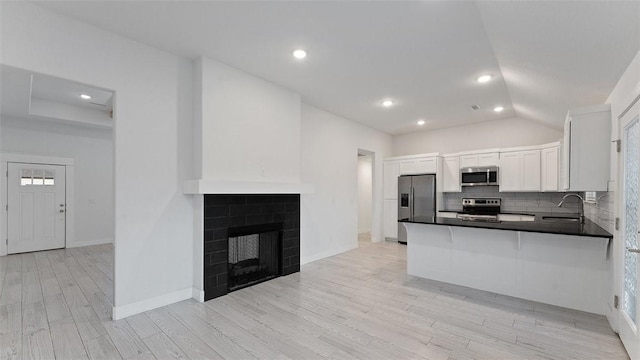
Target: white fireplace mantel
[{"x": 244, "y": 187}]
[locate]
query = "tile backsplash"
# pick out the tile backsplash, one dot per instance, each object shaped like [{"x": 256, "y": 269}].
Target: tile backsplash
[
  {"x": 601, "y": 212},
  {"x": 515, "y": 201}
]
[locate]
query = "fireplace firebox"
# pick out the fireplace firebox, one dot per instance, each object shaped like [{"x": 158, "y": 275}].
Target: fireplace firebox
[{"x": 254, "y": 254}]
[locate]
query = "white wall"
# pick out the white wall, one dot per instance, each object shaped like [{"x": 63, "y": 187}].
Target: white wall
[
  {"x": 329, "y": 216},
  {"x": 152, "y": 139},
  {"x": 92, "y": 152},
  {"x": 250, "y": 127},
  {"x": 364, "y": 194},
  {"x": 484, "y": 135},
  {"x": 627, "y": 88}
]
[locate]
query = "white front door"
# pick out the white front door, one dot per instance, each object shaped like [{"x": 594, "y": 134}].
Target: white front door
[
  {"x": 36, "y": 207},
  {"x": 630, "y": 229}
]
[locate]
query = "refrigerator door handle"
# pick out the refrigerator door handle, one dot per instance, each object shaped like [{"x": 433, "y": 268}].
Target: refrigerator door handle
[{"x": 411, "y": 202}]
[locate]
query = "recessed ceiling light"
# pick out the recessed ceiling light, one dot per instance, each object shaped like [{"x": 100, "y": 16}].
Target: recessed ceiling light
[
  {"x": 85, "y": 96},
  {"x": 484, "y": 78},
  {"x": 387, "y": 103},
  {"x": 498, "y": 108},
  {"x": 421, "y": 122},
  {"x": 300, "y": 54}
]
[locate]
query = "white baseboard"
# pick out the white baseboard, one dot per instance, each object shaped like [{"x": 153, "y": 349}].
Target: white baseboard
[
  {"x": 326, "y": 254},
  {"x": 120, "y": 312},
  {"x": 197, "y": 294},
  {"x": 90, "y": 242}
]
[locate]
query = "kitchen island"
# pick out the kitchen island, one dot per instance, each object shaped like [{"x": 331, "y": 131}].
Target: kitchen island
[{"x": 559, "y": 262}]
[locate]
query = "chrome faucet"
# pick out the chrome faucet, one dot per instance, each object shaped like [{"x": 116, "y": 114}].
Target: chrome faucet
[{"x": 581, "y": 205}]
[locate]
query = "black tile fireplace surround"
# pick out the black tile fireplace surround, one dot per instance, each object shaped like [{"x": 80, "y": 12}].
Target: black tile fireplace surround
[{"x": 225, "y": 212}]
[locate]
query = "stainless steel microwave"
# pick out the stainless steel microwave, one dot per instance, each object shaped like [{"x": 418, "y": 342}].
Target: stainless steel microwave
[{"x": 477, "y": 176}]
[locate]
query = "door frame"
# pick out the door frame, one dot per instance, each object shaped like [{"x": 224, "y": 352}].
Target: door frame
[
  {"x": 377, "y": 196},
  {"x": 8, "y": 157},
  {"x": 618, "y": 268}
]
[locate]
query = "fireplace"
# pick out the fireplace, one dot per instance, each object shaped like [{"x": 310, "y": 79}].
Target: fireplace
[
  {"x": 254, "y": 254},
  {"x": 249, "y": 239}
]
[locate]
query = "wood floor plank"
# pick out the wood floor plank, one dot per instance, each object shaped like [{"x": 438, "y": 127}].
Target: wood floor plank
[
  {"x": 163, "y": 348},
  {"x": 31, "y": 289},
  {"x": 143, "y": 326},
  {"x": 11, "y": 346},
  {"x": 34, "y": 318},
  {"x": 12, "y": 288},
  {"x": 227, "y": 348},
  {"x": 101, "y": 305},
  {"x": 125, "y": 339},
  {"x": 10, "y": 318},
  {"x": 49, "y": 283},
  {"x": 56, "y": 307},
  {"x": 37, "y": 345},
  {"x": 74, "y": 296},
  {"x": 101, "y": 348},
  {"x": 67, "y": 343},
  {"x": 88, "y": 324}
]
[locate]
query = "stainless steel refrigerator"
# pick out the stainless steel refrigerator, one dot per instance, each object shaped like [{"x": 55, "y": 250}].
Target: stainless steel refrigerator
[{"x": 416, "y": 198}]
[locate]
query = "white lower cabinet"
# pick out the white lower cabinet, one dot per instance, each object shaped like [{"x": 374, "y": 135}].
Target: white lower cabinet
[
  {"x": 562, "y": 270},
  {"x": 391, "y": 218},
  {"x": 520, "y": 171}
]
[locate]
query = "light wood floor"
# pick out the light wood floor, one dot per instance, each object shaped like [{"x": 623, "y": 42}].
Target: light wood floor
[{"x": 357, "y": 305}]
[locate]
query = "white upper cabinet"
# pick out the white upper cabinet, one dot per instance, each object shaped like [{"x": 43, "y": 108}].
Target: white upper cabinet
[
  {"x": 488, "y": 159},
  {"x": 468, "y": 161},
  {"x": 451, "y": 174},
  {"x": 479, "y": 159},
  {"x": 520, "y": 171},
  {"x": 530, "y": 170},
  {"x": 549, "y": 166},
  {"x": 427, "y": 165},
  {"x": 391, "y": 172},
  {"x": 586, "y": 149},
  {"x": 510, "y": 171},
  {"x": 408, "y": 167}
]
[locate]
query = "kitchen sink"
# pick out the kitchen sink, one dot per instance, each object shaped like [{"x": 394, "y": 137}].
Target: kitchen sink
[{"x": 561, "y": 218}]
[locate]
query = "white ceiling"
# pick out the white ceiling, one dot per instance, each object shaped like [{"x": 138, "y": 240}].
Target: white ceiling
[{"x": 546, "y": 56}]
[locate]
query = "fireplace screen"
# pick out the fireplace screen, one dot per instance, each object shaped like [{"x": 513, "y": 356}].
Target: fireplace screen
[{"x": 254, "y": 257}]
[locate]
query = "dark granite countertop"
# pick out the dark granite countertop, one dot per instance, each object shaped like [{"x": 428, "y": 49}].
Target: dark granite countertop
[{"x": 589, "y": 228}]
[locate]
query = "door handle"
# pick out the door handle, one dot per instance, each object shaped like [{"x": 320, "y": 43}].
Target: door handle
[
  {"x": 633, "y": 250},
  {"x": 61, "y": 210}
]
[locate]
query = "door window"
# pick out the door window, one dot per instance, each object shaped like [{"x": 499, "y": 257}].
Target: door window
[
  {"x": 631, "y": 183},
  {"x": 37, "y": 177}
]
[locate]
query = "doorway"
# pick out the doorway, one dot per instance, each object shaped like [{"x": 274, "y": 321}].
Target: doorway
[
  {"x": 57, "y": 149},
  {"x": 365, "y": 195},
  {"x": 36, "y": 207},
  {"x": 629, "y": 210}
]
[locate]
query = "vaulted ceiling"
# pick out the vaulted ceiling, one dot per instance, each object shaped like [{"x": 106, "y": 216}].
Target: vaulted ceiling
[{"x": 545, "y": 56}]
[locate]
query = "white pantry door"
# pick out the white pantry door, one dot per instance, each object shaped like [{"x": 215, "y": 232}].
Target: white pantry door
[
  {"x": 36, "y": 207},
  {"x": 630, "y": 229}
]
